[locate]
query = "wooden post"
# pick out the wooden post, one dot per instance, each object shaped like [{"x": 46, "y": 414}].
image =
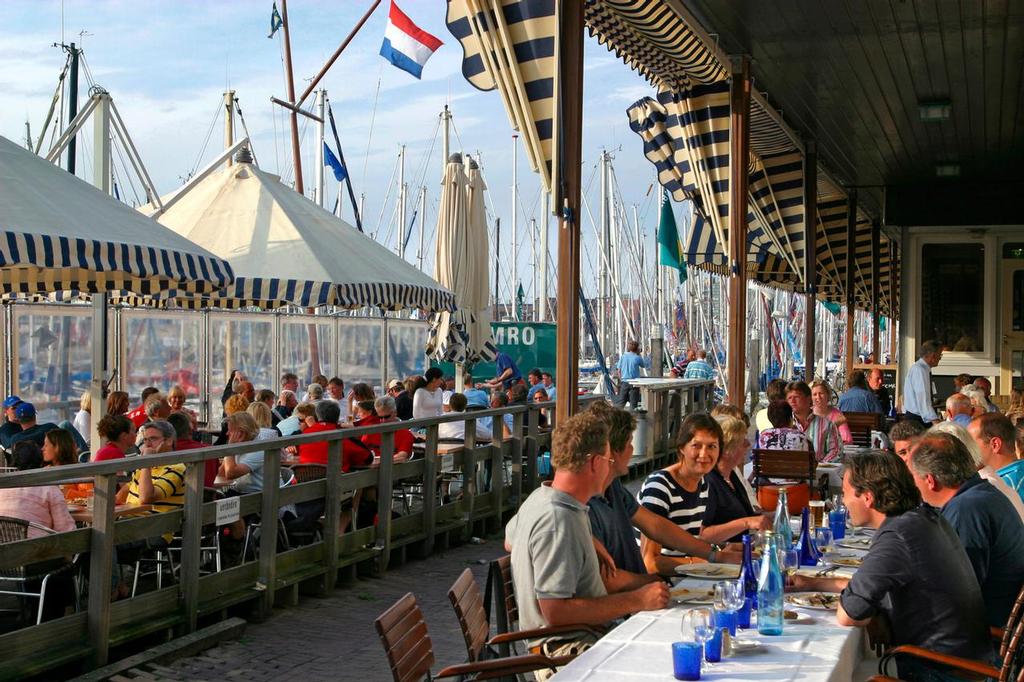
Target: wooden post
[
  {"x": 384, "y": 483},
  {"x": 876, "y": 288},
  {"x": 739, "y": 155},
  {"x": 516, "y": 437},
  {"x": 570, "y": 126},
  {"x": 531, "y": 451},
  {"x": 810, "y": 252},
  {"x": 430, "y": 489},
  {"x": 469, "y": 489},
  {"x": 101, "y": 567},
  {"x": 851, "y": 268},
  {"x": 191, "y": 540},
  {"x": 290, "y": 84},
  {"x": 894, "y": 267},
  {"x": 332, "y": 515},
  {"x": 267, "y": 574}
]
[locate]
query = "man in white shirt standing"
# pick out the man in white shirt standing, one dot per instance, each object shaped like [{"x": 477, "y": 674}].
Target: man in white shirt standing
[{"x": 917, "y": 386}]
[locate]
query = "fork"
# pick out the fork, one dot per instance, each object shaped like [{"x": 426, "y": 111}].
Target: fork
[{"x": 825, "y": 571}]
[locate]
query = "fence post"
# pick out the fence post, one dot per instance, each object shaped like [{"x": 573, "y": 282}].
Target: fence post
[
  {"x": 430, "y": 489},
  {"x": 101, "y": 567},
  {"x": 469, "y": 476},
  {"x": 517, "y": 459},
  {"x": 384, "y": 484},
  {"x": 532, "y": 449},
  {"x": 267, "y": 580},
  {"x": 191, "y": 540},
  {"x": 497, "y": 477},
  {"x": 332, "y": 514}
]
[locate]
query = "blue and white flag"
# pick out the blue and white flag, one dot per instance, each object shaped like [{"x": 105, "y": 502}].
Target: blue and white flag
[
  {"x": 340, "y": 172},
  {"x": 406, "y": 45},
  {"x": 275, "y": 21}
]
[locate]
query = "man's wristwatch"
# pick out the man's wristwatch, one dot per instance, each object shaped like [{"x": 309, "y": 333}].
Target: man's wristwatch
[{"x": 713, "y": 554}]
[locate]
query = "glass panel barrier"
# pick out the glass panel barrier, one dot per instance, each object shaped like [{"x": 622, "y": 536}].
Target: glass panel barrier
[
  {"x": 162, "y": 350},
  {"x": 359, "y": 344},
  {"x": 406, "y": 341},
  {"x": 53, "y": 357},
  {"x": 298, "y": 345},
  {"x": 243, "y": 343}
]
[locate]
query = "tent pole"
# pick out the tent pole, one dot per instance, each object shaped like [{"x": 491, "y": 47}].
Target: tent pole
[
  {"x": 229, "y": 121},
  {"x": 810, "y": 253},
  {"x": 570, "y": 125},
  {"x": 739, "y": 152},
  {"x": 851, "y": 261},
  {"x": 321, "y": 98},
  {"x": 545, "y": 215}
]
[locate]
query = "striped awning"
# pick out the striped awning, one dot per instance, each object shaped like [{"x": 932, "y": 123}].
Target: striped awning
[
  {"x": 60, "y": 234},
  {"x": 511, "y": 46}
]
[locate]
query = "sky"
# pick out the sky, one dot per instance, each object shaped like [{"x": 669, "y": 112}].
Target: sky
[{"x": 167, "y": 63}]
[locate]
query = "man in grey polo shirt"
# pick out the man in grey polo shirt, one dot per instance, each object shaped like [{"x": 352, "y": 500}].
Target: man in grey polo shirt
[{"x": 554, "y": 563}]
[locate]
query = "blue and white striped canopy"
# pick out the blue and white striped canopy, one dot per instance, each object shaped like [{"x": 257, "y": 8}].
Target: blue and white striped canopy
[{"x": 61, "y": 236}]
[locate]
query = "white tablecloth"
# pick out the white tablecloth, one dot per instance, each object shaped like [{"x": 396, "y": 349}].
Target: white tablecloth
[{"x": 815, "y": 650}]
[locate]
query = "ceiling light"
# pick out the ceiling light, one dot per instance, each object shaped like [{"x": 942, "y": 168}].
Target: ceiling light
[
  {"x": 947, "y": 170},
  {"x": 934, "y": 110}
]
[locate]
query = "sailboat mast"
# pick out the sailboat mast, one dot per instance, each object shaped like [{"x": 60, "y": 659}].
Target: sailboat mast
[
  {"x": 545, "y": 210},
  {"x": 603, "y": 262},
  {"x": 321, "y": 111},
  {"x": 423, "y": 220},
  {"x": 446, "y": 121},
  {"x": 515, "y": 228},
  {"x": 401, "y": 203},
  {"x": 73, "y": 104},
  {"x": 290, "y": 84}
]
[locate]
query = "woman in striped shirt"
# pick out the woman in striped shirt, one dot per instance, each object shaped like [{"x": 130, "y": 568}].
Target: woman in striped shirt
[{"x": 679, "y": 492}]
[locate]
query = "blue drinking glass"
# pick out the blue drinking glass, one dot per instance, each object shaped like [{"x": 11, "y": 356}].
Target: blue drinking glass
[
  {"x": 727, "y": 619},
  {"x": 743, "y": 615},
  {"x": 686, "y": 660},
  {"x": 837, "y": 522},
  {"x": 713, "y": 647}
]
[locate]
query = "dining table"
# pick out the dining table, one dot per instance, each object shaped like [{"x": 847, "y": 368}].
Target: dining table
[
  {"x": 83, "y": 513},
  {"x": 813, "y": 647}
]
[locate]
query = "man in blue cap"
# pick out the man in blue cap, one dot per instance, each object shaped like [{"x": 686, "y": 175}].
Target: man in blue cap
[
  {"x": 10, "y": 425},
  {"x": 30, "y": 430}
]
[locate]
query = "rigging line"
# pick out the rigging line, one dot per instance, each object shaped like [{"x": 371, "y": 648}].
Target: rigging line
[
  {"x": 373, "y": 118},
  {"x": 241, "y": 118},
  {"x": 124, "y": 167},
  {"x": 206, "y": 141},
  {"x": 387, "y": 198}
]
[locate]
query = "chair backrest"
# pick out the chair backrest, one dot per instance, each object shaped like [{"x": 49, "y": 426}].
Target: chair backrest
[
  {"x": 403, "y": 632},
  {"x": 507, "y": 611},
  {"x": 790, "y": 464},
  {"x": 1016, "y": 612},
  {"x": 1012, "y": 657},
  {"x": 861, "y": 425},
  {"x": 309, "y": 472},
  {"x": 469, "y": 609},
  {"x": 12, "y": 530}
]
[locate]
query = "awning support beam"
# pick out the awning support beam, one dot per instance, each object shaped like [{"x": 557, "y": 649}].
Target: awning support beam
[
  {"x": 851, "y": 259},
  {"x": 876, "y": 287},
  {"x": 739, "y": 153},
  {"x": 810, "y": 252}
]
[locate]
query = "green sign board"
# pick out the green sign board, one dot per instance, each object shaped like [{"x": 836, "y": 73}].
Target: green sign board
[{"x": 530, "y": 344}]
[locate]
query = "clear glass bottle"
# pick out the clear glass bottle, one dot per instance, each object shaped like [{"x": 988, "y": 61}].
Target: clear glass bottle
[
  {"x": 781, "y": 525},
  {"x": 770, "y": 589}
]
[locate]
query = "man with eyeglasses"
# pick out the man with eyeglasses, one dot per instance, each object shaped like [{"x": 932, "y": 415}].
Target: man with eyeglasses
[
  {"x": 554, "y": 562},
  {"x": 163, "y": 486}
]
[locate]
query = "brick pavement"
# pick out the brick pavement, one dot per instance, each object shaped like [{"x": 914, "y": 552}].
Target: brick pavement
[{"x": 332, "y": 638}]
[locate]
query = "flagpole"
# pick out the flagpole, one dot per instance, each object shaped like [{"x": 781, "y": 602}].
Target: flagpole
[
  {"x": 515, "y": 228},
  {"x": 290, "y": 85},
  {"x": 337, "y": 53}
]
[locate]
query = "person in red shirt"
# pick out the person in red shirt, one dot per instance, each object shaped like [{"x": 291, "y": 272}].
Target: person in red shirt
[
  {"x": 184, "y": 441},
  {"x": 138, "y": 415},
  {"x": 386, "y": 410},
  {"x": 353, "y": 453},
  {"x": 119, "y": 432}
]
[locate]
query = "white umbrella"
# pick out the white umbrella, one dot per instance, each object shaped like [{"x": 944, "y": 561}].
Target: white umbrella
[{"x": 461, "y": 266}]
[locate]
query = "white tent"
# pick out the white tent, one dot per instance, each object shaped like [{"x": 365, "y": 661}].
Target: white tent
[{"x": 286, "y": 250}]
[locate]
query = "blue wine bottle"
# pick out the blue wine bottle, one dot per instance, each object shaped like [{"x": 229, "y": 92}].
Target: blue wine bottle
[
  {"x": 747, "y": 574},
  {"x": 809, "y": 553}
]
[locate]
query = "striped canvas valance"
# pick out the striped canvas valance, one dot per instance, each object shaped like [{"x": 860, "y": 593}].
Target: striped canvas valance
[{"x": 511, "y": 46}]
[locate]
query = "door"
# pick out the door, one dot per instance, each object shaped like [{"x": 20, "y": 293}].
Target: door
[{"x": 1012, "y": 326}]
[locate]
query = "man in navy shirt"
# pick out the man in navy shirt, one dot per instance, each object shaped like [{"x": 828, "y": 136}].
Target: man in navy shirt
[
  {"x": 508, "y": 372},
  {"x": 989, "y": 527},
  {"x": 10, "y": 425},
  {"x": 857, "y": 397}
]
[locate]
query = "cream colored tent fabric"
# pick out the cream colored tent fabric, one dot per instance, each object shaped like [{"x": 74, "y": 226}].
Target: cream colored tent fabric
[
  {"x": 461, "y": 264},
  {"x": 287, "y": 250}
]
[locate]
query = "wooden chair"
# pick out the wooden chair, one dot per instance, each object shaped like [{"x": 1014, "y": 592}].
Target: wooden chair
[
  {"x": 1011, "y": 656},
  {"x": 861, "y": 425},
  {"x": 798, "y": 465},
  {"x": 410, "y": 652},
  {"x": 308, "y": 472},
  {"x": 469, "y": 609}
]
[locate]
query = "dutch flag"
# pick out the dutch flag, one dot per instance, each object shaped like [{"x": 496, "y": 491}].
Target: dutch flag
[{"x": 406, "y": 45}]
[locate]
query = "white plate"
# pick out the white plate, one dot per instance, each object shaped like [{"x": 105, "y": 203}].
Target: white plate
[
  {"x": 709, "y": 571},
  {"x": 684, "y": 595},
  {"x": 739, "y": 647},
  {"x": 804, "y": 600},
  {"x": 854, "y": 543}
]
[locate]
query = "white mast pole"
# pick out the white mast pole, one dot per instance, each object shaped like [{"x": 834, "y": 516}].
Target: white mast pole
[
  {"x": 229, "y": 121},
  {"x": 533, "y": 265},
  {"x": 401, "y": 203},
  {"x": 545, "y": 210},
  {"x": 603, "y": 246},
  {"x": 446, "y": 118},
  {"x": 321, "y": 110},
  {"x": 515, "y": 228},
  {"x": 423, "y": 220},
  {"x": 102, "y": 181}
]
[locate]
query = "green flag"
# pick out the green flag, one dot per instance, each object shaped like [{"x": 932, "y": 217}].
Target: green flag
[
  {"x": 670, "y": 251},
  {"x": 833, "y": 308},
  {"x": 520, "y": 297}
]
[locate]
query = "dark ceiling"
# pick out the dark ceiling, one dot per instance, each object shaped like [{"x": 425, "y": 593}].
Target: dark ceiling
[{"x": 852, "y": 73}]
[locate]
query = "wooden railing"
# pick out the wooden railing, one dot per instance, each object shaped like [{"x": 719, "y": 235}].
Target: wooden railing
[{"x": 274, "y": 575}]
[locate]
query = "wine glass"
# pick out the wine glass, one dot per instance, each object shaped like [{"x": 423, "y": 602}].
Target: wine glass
[
  {"x": 790, "y": 561},
  {"x": 729, "y": 595},
  {"x": 699, "y": 626},
  {"x": 823, "y": 540}
]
